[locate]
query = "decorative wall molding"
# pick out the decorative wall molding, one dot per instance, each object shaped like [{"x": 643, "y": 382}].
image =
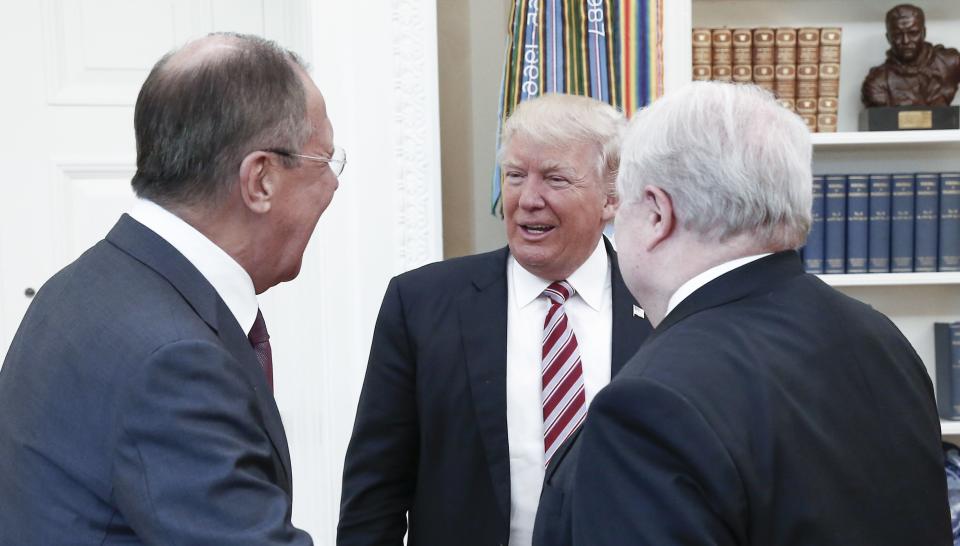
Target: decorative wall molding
[{"x": 416, "y": 125}]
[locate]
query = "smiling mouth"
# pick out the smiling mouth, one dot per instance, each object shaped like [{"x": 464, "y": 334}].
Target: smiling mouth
[{"x": 536, "y": 229}]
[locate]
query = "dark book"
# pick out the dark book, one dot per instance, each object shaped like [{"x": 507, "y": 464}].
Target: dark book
[
  {"x": 878, "y": 251},
  {"x": 858, "y": 214},
  {"x": 947, "y": 348},
  {"x": 901, "y": 223},
  {"x": 835, "y": 223},
  {"x": 949, "y": 251},
  {"x": 813, "y": 251},
  {"x": 926, "y": 222}
]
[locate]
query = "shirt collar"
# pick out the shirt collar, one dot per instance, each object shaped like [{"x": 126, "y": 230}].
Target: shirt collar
[
  {"x": 232, "y": 283},
  {"x": 698, "y": 281},
  {"x": 589, "y": 280}
]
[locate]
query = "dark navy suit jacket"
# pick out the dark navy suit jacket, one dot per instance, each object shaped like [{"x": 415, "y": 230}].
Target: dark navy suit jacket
[
  {"x": 766, "y": 409},
  {"x": 431, "y": 430},
  {"x": 133, "y": 410}
]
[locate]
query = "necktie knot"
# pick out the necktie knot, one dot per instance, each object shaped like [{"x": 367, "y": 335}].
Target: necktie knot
[
  {"x": 260, "y": 341},
  {"x": 258, "y": 332},
  {"x": 559, "y": 292}
]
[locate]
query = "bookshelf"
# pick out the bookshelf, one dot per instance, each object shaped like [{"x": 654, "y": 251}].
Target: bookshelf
[{"x": 914, "y": 301}]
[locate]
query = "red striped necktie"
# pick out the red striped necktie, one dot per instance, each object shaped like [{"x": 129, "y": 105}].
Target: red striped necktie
[
  {"x": 260, "y": 340},
  {"x": 564, "y": 400}
]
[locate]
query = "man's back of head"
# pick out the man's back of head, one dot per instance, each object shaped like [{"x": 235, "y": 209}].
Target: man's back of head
[{"x": 710, "y": 173}]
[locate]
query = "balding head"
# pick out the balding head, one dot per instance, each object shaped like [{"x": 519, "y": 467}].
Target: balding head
[{"x": 207, "y": 105}]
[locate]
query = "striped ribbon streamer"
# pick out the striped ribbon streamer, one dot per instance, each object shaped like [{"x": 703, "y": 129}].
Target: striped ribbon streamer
[{"x": 610, "y": 50}]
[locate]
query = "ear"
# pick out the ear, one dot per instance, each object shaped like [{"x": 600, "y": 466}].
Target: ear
[
  {"x": 610, "y": 205},
  {"x": 659, "y": 214},
  {"x": 256, "y": 183}
]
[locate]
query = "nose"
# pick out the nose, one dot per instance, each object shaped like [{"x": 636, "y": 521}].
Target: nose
[{"x": 531, "y": 195}]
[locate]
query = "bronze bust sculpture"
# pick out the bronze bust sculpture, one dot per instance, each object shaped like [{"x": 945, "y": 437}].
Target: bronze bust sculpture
[{"x": 916, "y": 72}]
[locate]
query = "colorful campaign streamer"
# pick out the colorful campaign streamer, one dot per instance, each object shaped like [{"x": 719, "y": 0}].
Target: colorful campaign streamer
[{"x": 610, "y": 50}]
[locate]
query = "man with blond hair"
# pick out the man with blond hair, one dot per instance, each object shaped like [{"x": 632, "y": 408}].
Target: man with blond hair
[{"x": 481, "y": 367}]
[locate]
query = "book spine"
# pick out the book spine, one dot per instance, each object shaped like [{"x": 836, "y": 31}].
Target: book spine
[
  {"x": 858, "y": 203},
  {"x": 763, "y": 76},
  {"x": 808, "y": 46},
  {"x": 742, "y": 55},
  {"x": 835, "y": 223},
  {"x": 829, "y": 82},
  {"x": 813, "y": 251},
  {"x": 807, "y": 109},
  {"x": 808, "y": 75},
  {"x": 702, "y": 54},
  {"x": 785, "y": 70},
  {"x": 947, "y": 369},
  {"x": 878, "y": 253},
  {"x": 949, "y": 252},
  {"x": 764, "y": 57},
  {"x": 925, "y": 219},
  {"x": 901, "y": 223},
  {"x": 830, "y": 45},
  {"x": 785, "y": 85},
  {"x": 786, "y": 46},
  {"x": 722, "y": 42},
  {"x": 764, "y": 47},
  {"x": 828, "y": 79}
]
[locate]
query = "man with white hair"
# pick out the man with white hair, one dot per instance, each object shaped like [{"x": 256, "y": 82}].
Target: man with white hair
[
  {"x": 766, "y": 408},
  {"x": 482, "y": 366}
]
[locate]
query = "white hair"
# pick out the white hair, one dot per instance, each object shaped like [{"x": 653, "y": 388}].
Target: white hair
[
  {"x": 558, "y": 121},
  {"x": 732, "y": 160}
]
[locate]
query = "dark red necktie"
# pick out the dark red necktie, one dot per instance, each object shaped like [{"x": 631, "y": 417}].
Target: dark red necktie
[
  {"x": 564, "y": 400},
  {"x": 260, "y": 340}
]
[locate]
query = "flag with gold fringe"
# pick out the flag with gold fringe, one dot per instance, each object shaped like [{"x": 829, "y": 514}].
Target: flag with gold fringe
[{"x": 610, "y": 50}]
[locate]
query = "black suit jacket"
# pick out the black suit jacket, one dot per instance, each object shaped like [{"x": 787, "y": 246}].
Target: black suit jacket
[
  {"x": 766, "y": 409},
  {"x": 133, "y": 410},
  {"x": 431, "y": 429}
]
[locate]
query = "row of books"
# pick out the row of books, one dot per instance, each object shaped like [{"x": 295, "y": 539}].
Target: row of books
[
  {"x": 947, "y": 370},
  {"x": 882, "y": 223},
  {"x": 801, "y": 66}
]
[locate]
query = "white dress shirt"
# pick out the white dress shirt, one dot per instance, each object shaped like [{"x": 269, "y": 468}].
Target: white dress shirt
[
  {"x": 231, "y": 281},
  {"x": 589, "y": 312},
  {"x": 698, "y": 281}
]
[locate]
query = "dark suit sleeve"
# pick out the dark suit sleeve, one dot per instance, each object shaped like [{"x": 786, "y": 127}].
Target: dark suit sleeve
[
  {"x": 194, "y": 462},
  {"x": 652, "y": 471},
  {"x": 380, "y": 469}
]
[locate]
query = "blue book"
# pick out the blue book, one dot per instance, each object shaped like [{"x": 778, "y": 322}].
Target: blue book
[
  {"x": 949, "y": 251},
  {"x": 835, "y": 223},
  {"x": 858, "y": 214},
  {"x": 878, "y": 251},
  {"x": 901, "y": 223},
  {"x": 813, "y": 251},
  {"x": 926, "y": 222},
  {"x": 947, "y": 351}
]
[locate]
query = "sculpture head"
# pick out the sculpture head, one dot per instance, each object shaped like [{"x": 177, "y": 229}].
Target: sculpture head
[{"x": 906, "y": 31}]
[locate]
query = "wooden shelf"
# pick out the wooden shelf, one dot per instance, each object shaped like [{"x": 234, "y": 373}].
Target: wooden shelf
[
  {"x": 891, "y": 279},
  {"x": 885, "y": 138}
]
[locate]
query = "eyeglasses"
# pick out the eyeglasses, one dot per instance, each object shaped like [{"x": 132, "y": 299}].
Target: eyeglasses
[{"x": 336, "y": 162}]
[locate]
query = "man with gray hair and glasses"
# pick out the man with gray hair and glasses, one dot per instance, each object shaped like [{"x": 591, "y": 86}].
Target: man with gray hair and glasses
[
  {"x": 766, "y": 408},
  {"x": 136, "y": 401},
  {"x": 481, "y": 367}
]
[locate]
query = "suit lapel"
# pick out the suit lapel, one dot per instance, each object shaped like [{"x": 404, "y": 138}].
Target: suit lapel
[
  {"x": 628, "y": 331},
  {"x": 156, "y": 253},
  {"x": 483, "y": 326}
]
